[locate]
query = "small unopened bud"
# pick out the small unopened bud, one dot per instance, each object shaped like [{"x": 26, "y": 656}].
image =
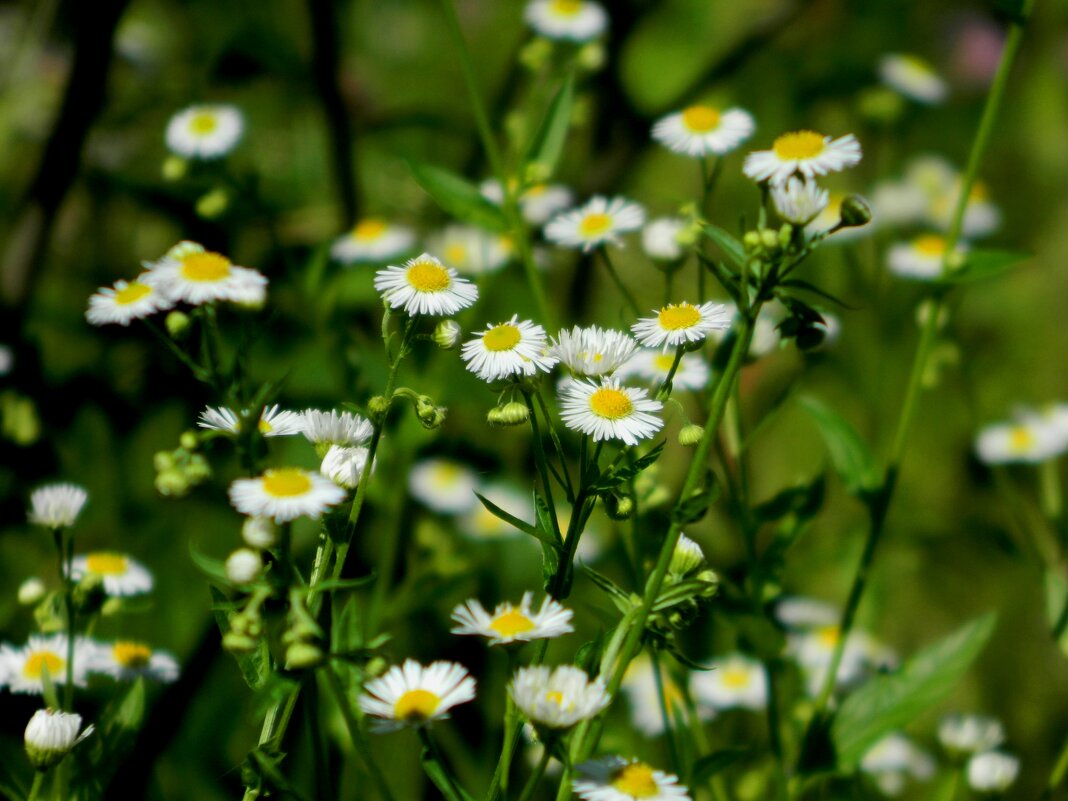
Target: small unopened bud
[
  {"x": 769, "y": 239},
  {"x": 709, "y": 578},
  {"x": 198, "y": 469},
  {"x": 854, "y": 212},
  {"x": 377, "y": 407},
  {"x": 112, "y": 606},
  {"x": 213, "y": 204},
  {"x": 238, "y": 643},
  {"x": 189, "y": 440},
  {"x": 690, "y": 435},
  {"x": 259, "y": 532},
  {"x": 535, "y": 54},
  {"x": 177, "y": 324},
  {"x": 172, "y": 482},
  {"x": 303, "y": 655},
  {"x": 243, "y": 566},
  {"x": 447, "y": 334},
  {"x": 31, "y": 591},
  {"x": 512, "y": 413},
  {"x": 751, "y": 240},
  {"x": 687, "y": 556},
  {"x": 174, "y": 168},
  {"x": 619, "y": 507},
  {"x": 376, "y": 666},
  {"x": 429, "y": 415},
  {"x": 591, "y": 56},
  {"x": 537, "y": 172},
  {"x": 786, "y": 233},
  {"x": 51, "y": 735},
  {"x": 163, "y": 461}
]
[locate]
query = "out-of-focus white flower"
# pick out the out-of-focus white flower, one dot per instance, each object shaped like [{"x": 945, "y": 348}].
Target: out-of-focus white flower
[
  {"x": 121, "y": 575},
  {"x": 992, "y": 771},
  {"x": 204, "y": 131},
  {"x": 189, "y": 273},
  {"x": 913, "y": 77},
  {"x": 734, "y": 681},
  {"x": 285, "y": 494},
  {"x": 893, "y": 760},
  {"x": 970, "y": 734},
  {"x": 127, "y": 660},
  {"x": 570, "y": 20},
  {"x": 51, "y": 735},
  {"x": 599, "y": 222},
  {"x": 660, "y": 238},
  {"x": 56, "y": 505},
  {"x": 244, "y": 566},
  {"x": 373, "y": 240},
  {"x": 616, "y": 779},
  {"x": 700, "y": 131},
  {"x": 557, "y": 698},
  {"x": 125, "y": 302}
]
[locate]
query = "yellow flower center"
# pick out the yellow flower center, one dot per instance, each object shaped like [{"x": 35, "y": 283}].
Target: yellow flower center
[
  {"x": 636, "y": 781},
  {"x": 930, "y": 245},
  {"x": 416, "y": 705},
  {"x": 799, "y": 145},
  {"x": 1021, "y": 439},
  {"x": 203, "y": 123},
  {"x": 106, "y": 564},
  {"x": 131, "y": 293},
  {"x": 286, "y": 483},
  {"x": 828, "y": 636},
  {"x": 566, "y": 8},
  {"x": 916, "y": 66},
  {"x": 426, "y": 276},
  {"x": 610, "y": 403},
  {"x": 683, "y": 315},
  {"x": 204, "y": 266},
  {"x": 369, "y": 229},
  {"x": 663, "y": 361},
  {"x": 555, "y": 697},
  {"x": 445, "y": 475},
  {"x": 501, "y": 337},
  {"x": 511, "y": 623},
  {"x": 455, "y": 253},
  {"x": 535, "y": 191},
  {"x": 979, "y": 193},
  {"x": 700, "y": 119},
  {"x": 265, "y": 427},
  {"x": 39, "y": 660},
  {"x": 595, "y": 224},
  {"x": 131, "y": 654},
  {"x": 736, "y": 678}
]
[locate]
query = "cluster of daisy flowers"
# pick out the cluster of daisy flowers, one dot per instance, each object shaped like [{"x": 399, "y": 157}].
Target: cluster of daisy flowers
[{"x": 1032, "y": 436}]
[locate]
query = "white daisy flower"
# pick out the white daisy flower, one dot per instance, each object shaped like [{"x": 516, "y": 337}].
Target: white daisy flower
[
  {"x": 414, "y": 695},
  {"x": 992, "y": 772},
  {"x": 23, "y": 667},
  {"x": 830, "y": 216},
  {"x": 124, "y": 302},
  {"x": 273, "y": 422},
  {"x": 970, "y": 734},
  {"x": 898, "y": 203},
  {"x": 570, "y": 20},
  {"x": 372, "y": 240},
  {"x": 507, "y": 349},
  {"x": 285, "y": 494},
  {"x": 480, "y": 523},
  {"x": 204, "y": 131},
  {"x": 805, "y": 152},
  {"x": 425, "y": 286},
  {"x": 610, "y": 411},
  {"x": 444, "y": 485},
  {"x": 922, "y": 257},
  {"x": 679, "y": 323},
  {"x": 599, "y": 222},
  {"x": 686, "y": 557},
  {"x": 1031, "y": 439},
  {"x": 557, "y": 698},
  {"x": 981, "y": 216},
  {"x": 799, "y": 202},
  {"x": 56, "y": 505},
  {"x": 537, "y": 203},
  {"x": 127, "y": 660},
  {"x": 894, "y": 759},
  {"x": 616, "y": 779},
  {"x": 121, "y": 575},
  {"x": 798, "y": 612},
  {"x": 472, "y": 251},
  {"x": 735, "y": 681},
  {"x": 814, "y": 650},
  {"x": 509, "y": 624},
  {"x": 593, "y": 351},
  {"x": 334, "y": 428},
  {"x": 194, "y": 275},
  {"x": 344, "y": 465},
  {"x": 660, "y": 238},
  {"x": 700, "y": 131},
  {"x": 51, "y": 735},
  {"x": 912, "y": 77},
  {"x": 653, "y": 366},
  {"x": 643, "y": 696}
]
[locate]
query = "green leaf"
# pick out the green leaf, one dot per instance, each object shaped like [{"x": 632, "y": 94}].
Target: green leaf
[
  {"x": 708, "y": 766},
  {"x": 548, "y": 537},
  {"x": 807, "y": 286},
  {"x": 333, "y": 585},
  {"x": 458, "y": 196},
  {"x": 548, "y": 142},
  {"x": 696, "y": 506},
  {"x": 983, "y": 264},
  {"x": 891, "y": 702},
  {"x": 731, "y": 247},
  {"x": 212, "y": 568},
  {"x": 256, "y": 666},
  {"x": 1056, "y": 598},
  {"x": 852, "y": 460},
  {"x": 803, "y": 500},
  {"x": 607, "y": 585},
  {"x": 609, "y": 481}
]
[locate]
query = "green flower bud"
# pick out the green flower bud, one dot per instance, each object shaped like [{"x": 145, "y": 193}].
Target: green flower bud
[
  {"x": 854, "y": 212},
  {"x": 591, "y": 56},
  {"x": 377, "y": 407},
  {"x": 619, "y": 507},
  {"x": 189, "y": 440},
  {"x": 177, "y": 324},
  {"x": 174, "y": 168},
  {"x": 690, "y": 435},
  {"x": 376, "y": 666},
  {"x": 198, "y": 470},
  {"x": 429, "y": 415},
  {"x": 213, "y": 204},
  {"x": 447, "y": 334},
  {"x": 537, "y": 172},
  {"x": 238, "y": 643},
  {"x": 172, "y": 483},
  {"x": 535, "y": 54},
  {"x": 163, "y": 461},
  {"x": 880, "y": 104},
  {"x": 31, "y": 591},
  {"x": 751, "y": 240},
  {"x": 711, "y": 581},
  {"x": 686, "y": 557},
  {"x": 769, "y": 239},
  {"x": 512, "y": 413},
  {"x": 20, "y": 423},
  {"x": 112, "y": 606},
  {"x": 303, "y": 655},
  {"x": 786, "y": 234}
]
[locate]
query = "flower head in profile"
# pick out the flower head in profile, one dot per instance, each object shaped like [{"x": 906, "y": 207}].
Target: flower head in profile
[
  {"x": 805, "y": 152},
  {"x": 992, "y": 771},
  {"x": 599, "y": 222},
  {"x": 335, "y": 428},
  {"x": 285, "y": 494},
  {"x": 702, "y": 130},
  {"x": 372, "y": 240},
  {"x": 273, "y": 422},
  {"x": 557, "y": 698},
  {"x": 609, "y": 410},
  {"x": 344, "y": 465},
  {"x": 614, "y": 778},
  {"x": 425, "y": 286},
  {"x": 653, "y": 366},
  {"x": 23, "y": 668},
  {"x": 191, "y": 274},
  {"x": 923, "y": 257},
  {"x": 680, "y": 323},
  {"x": 593, "y": 351},
  {"x": 799, "y": 202},
  {"x": 204, "y": 131},
  {"x": 734, "y": 682},
  {"x": 830, "y": 217},
  {"x": 121, "y": 576},
  {"x": 124, "y": 302},
  {"x": 414, "y": 695},
  {"x": 507, "y": 349},
  {"x": 509, "y": 624},
  {"x": 1030, "y": 438},
  {"x": 127, "y": 660},
  {"x": 568, "y": 20},
  {"x": 912, "y": 77},
  {"x": 56, "y": 505},
  {"x": 51, "y": 735}
]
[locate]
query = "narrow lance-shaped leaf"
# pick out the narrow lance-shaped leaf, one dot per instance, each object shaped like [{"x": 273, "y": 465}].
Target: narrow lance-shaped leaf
[
  {"x": 731, "y": 247},
  {"x": 852, "y": 460},
  {"x": 545, "y": 536},
  {"x": 458, "y": 196},
  {"x": 981, "y": 264},
  {"x": 548, "y": 142}
]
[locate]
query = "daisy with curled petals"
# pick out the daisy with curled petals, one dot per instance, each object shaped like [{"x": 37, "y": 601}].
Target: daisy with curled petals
[
  {"x": 912, "y": 77},
  {"x": 509, "y": 624},
  {"x": 191, "y": 274},
  {"x": 414, "y": 695},
  {"x": 799, "y": 202},
  {"x": 593, "y": 351},
  {"x": 700, "y": 131},
  {"x": 425, "y": 286},
  {"x": 557, "y": 698},
  {"x": 805, "y": 152},
  {"x": 121, "y": 575},
  {"x": 610, "y": 411},
  {"x": 616, "y": 779},
  {"x": 372, "y": 240},
  {"x": 334, "y": 428},
  {"x": 204, "y": 131},
  {"x": 923, "y": 257},
  {"x": 570, "y": 20},
  {"x": 680, "y": 323},
  {"x": 124, "y": 302},
  {"x": 285, "y": 494},
  {"x": 653, "y": 366},
  {"x": 56, "y": 505},
  {"x": 507, "y": 349},
  {"x": 599, "y": 222},
  {"x": 444, "y": 485},
  {"x": 272, "y": 423},
  {"x": 23, "y": 668},
  {"x": 127, "y": 660}
]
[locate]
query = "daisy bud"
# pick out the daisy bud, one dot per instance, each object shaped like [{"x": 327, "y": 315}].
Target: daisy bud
[
  {"x": 243, "y": 566},
  {"x": 619, "y": 507},
  {"x": 691, "y": 434},
  {"x": 189, "y": 440},
  {"x": 447, "y": 334},
  {"x": 213, "y": 204},
  {"x": 50, "y": 736},
  {"x": 259, "y": 532},
  {"x": 854, "y": 212},
  {"x": 31, "y": 591},
  {"x": 769, "y": 239},
  {"x": 162, "y": 461},
  {"x": 303, "y": 655},
  {"x": 177, "y": 324},
  {"x": 198, "y": 469},
  {"x": 377, "y": 407},
  {"x": 238, "y": 643},
  {"x": 174, "y": 168},
  {"x": 591, "y": 56},
  {"x": 686, "y": 557},
  {"x": 710, "y": 579},
  {"x": 171, "y": 483},
  {"x": 535, "y": 54},
  {"x": 751, "y": 240},
  {"x": 112, "y": 606},
  {"x": 512, "y": 413},
  {"x": 429, "y": 415}
]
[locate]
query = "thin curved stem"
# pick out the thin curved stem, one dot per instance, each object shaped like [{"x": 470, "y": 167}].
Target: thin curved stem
[{"x": 627, "y": 296}]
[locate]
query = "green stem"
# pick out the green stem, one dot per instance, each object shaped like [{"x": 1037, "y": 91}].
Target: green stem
[
  {"x": 631, "y": 301},
  {"x": 181, "y": 355},
  {"x": 360, "y": 743},
  {"x": 38, "y": 782},
  {"x": 664, "y": 390},
  {"x": 557, "y": 446},
  {"x": 535, "y": 777},
  {"x": 665, "y": 713},
  {"x": 1050, "y": 484},
  {"x": 432, "y": 752},
  {"x": 539, "y": 460},
  {"x": 1056, "y": 776}
]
